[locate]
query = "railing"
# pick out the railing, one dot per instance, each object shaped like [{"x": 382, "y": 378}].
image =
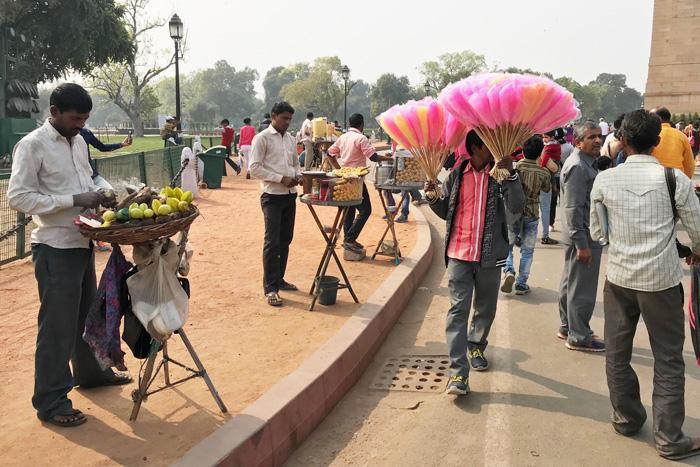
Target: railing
[{"x": 18, "y": 245}]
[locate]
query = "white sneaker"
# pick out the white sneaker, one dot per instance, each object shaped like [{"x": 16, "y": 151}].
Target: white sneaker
[{"x": 508, "y": 282}]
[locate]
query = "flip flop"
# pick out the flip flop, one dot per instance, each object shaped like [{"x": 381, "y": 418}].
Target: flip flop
[
  {"x": 68, "y": 420},
  {"x": 119, "y": 378},
  {"x": 273, "y": 299},
  {"x": 684, "y": 455},
  {"x": 286, "y": 286}
]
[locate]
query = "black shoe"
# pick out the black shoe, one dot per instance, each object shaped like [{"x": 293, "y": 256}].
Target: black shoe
[
  {"x": 286, "y": 286},
  {"x": 563, "y": 333},
  {"x": 518, "y": 241},
  {"x": 478, "y": 361},
  {"x": 549, "y": 241},
  {"x": 458, "y": 386},
  {"x": 592, "y": 346}
]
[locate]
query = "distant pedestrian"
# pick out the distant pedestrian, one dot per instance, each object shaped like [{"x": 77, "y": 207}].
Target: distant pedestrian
[
  {"x": 274, "y": 162},
  {"x": 265, "y": 123},
  {"x": 307, "y": 139},
  {"x": 474, "y": 205},
  {"x": 245, "y": 145},
  {"x": 535, "y": 180},
  {"x": 551, "y": 161},
  {"x": 604, "y": 128},
  {"x": 612, "y": 147},
  {"x": 674, "y": 150},
  {"x": 227, "y": 136},
  {"x": 579, "y": 282},
  {"x": 641, "y": 201}
]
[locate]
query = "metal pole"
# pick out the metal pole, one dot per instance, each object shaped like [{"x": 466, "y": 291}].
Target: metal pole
[
  {"x": 177, "y": 84},
  {"x": 345, "y": 108}
]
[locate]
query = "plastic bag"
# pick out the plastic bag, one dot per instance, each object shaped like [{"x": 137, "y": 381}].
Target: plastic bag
[{"x": 157, "y": 297}]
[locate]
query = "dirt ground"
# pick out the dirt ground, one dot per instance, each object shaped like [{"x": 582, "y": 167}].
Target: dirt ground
[{"x": 245, "y": 345}]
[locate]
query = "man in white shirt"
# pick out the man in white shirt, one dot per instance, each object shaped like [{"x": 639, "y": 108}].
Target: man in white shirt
[
  {"x": 307, "y": 137},
  {"x": 632, "y": 204},
  {"x": 604, "y": 128},
  {"x": 52, "y": 181},
  {"x": 274, "y": 161}
]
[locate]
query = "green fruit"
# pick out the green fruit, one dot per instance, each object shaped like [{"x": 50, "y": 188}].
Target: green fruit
[
  {"x": 169, "y": 192},
  {"x": 135, "y": 213},
  {"x": 148, "y": 213},
  {"x": 109, "y": 216},
  {"x": 173, "y": 202},
  {"x": 164, "y": 210},
  {"x": 133, "y": 205},
  {"x": 177, "y": 193},
  {"x": 123, "y": 215},
  {"x": 143, "y": 206},
  {"x": 183, "y": 206},
  {"x": 156, "y": 204},
  {"x": 187, "y": 196}
]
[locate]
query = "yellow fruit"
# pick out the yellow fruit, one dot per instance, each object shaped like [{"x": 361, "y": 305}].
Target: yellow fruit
[
  {"x": 148, "y": 213},
  {"x": 106, "y": 224},
  {"x": 164, "y": 210},
  {"x": 177, "y": 192},
  {"x": 143, "y": 206},
  {"x": 135, "y": 213},
  {"x": 187, "y": 196},
  {"x": 183, "y": 206},
  {"x": 169, "y": 192},
  {"x": 156, "y": 204},
  {"x": 133, "y": 206},
  {"x": 172, "y": 202},
  {"x": 109, "y": 216}
]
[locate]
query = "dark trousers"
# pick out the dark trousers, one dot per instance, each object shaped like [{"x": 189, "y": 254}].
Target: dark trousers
[
  {"x": 467, "y": 282},
  {"x": 555, "y": 198},
  {"x": 354, "y": 225},
  {"x": 230, "y": 161},
  {"x": 67, "y": 289},
  {"x": 663, "y": 316},
  {"x": 279, "y": 212},
  {"x": 577, "y": 295}
]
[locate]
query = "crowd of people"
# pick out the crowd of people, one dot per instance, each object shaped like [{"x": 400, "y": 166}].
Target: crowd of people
[{"x": 623, "y": 187}]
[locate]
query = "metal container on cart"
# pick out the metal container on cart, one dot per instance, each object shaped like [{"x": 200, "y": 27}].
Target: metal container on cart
[{"x": 214, "y": 159}]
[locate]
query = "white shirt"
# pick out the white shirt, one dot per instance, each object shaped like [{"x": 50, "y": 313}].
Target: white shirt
[
  {"x": 641, "y": 230},
  {"x": 47, "y": 171},
  {"x": 307, "y": 130},
  {"x": 604, "y": 128},
  {"x": 274, "y": 156}
]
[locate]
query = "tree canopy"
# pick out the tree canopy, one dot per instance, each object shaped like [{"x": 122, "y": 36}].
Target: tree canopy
[
  {"x": 91, "y": 34},
  {"x": 452, "y": 67}
]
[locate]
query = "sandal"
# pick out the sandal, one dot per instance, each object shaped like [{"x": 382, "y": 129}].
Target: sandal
[
  {"x": 286, "y": 286},
  {"x": 118, "y": 378},
  {"x": 73, "y": 418},
  {"x": 273, "y": 299}
]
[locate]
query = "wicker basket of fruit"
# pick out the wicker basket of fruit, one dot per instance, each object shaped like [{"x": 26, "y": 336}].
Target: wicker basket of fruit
[{"x": 144, "y": 216}]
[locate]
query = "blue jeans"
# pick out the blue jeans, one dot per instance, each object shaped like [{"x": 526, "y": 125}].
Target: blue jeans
[
  {"x": 545, "y": 208},
  {"x": 415, "y": 196},
  {"x": 527, "y": 230}
]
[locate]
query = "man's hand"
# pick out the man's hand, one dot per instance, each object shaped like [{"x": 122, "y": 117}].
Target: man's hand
[
  {"x": 429, "y": 186},
  {"x": 584, "y": 256},
  {"x": 506, "y": 163},
  {"x": 127, "y": 141},
  {"x": 693, "y": 259},
  {"x": 91, "y": 199},
  {"x": 289, "y": 182}
]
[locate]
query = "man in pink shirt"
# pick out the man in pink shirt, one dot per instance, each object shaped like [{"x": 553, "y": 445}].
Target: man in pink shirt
[
  {"x": 245, "y": 144},
  {"x": 352, "y": 150},
  {"x": 478, "y": 210}
]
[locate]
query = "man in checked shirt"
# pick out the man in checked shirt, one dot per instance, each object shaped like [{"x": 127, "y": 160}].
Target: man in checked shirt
[{"x": 644, "y": 279}]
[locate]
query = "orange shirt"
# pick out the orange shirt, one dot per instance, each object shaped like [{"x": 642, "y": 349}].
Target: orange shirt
[{"x": 674, "y": 150}]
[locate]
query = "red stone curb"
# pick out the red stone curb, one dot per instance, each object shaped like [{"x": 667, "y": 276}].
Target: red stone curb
[{"x": 269, "y": 429}]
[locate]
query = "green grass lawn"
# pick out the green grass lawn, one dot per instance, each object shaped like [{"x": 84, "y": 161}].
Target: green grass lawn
[{"x": 144, "y": 143}]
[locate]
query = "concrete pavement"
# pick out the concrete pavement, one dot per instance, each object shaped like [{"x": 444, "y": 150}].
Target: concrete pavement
[{"x": 539, "y": 404}]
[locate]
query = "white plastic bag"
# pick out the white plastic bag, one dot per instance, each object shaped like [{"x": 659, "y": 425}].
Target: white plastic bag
[{"x": 157, "y": 298}]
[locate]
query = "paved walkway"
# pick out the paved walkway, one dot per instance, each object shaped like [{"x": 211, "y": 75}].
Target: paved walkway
[{"x": 539, "y": 404}]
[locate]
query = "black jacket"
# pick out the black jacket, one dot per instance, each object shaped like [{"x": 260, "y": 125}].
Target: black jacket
[{"x": 509, "y": 194}]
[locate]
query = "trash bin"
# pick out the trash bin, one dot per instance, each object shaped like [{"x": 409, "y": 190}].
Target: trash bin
[
  {"x": 327, "y": 290},
  {"x": 214, "y": 159}
]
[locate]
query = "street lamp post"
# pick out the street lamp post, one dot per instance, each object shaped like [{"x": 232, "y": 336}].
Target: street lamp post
[
  {"x": 345, "y": 71},
  {"x": 176, "y": 33},
  {"x": 428, "y": 88}
]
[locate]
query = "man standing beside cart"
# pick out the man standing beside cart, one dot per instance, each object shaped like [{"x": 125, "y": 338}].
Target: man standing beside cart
[
  {"x": 352, "y": 150},
  {"x": 51, "y": 180},
  {"x": 274, "y": 161}
]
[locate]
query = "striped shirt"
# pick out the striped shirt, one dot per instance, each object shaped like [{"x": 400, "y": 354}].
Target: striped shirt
[
  {"x": 468, "y": 227},
  {"x": 641, "y": 230},
  {"x": 535, "y": 179}
]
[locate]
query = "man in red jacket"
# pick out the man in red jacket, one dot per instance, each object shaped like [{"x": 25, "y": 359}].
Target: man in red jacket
[{"x": 227, "y": 135}]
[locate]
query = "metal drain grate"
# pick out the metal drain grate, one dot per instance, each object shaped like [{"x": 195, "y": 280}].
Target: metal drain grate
[{"x": 413, "y": 373}]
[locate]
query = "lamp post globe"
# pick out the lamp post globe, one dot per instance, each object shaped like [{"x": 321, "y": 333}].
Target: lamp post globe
[
  {"x": 345, "y": 73},
  {"x": 177, "y": 33}
]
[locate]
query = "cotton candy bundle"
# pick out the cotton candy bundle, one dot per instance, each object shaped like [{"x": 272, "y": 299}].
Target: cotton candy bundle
[
  {"x": 426, "y": 130},
  {"x": 506, "y": 109}
]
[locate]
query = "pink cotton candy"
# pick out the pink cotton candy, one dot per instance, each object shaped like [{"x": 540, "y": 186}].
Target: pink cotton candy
[
  {"x": 455, "y": 132},
  {"x": 415, "y": 124}
]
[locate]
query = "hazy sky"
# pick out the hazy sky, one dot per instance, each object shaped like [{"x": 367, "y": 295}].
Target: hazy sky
[{"x": 579, "y": 39}]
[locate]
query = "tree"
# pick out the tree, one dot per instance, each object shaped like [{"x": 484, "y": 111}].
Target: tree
[
  {"x": 388, "y": 91},
  {"x": 321, "y": 92},
  {"x": 358, "y": 103},
  {"x": 452, "y": 67},
  {"x": 129, "y": 85},
  {"x": 278, "y": 77}
]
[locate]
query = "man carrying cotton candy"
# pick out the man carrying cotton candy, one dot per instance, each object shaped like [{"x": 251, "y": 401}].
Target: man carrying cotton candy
[{"x": 474, "y": 205}]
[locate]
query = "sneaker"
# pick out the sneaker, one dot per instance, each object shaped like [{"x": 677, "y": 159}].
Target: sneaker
[
  {"x": 518, "y": 241},
  {"x": 507, "y": 286},
  {"x": 353, "y": 246},
  {"x": 458, "y": 386},
  {"x": 477, "y": 360},
  {"x": 401, "y": 219},
  {"x": 549, "y": 241},
  {"x": 592, "y": 346},
  {"x": 563, "y": 333},
  {"x": 522, "y": 289}
]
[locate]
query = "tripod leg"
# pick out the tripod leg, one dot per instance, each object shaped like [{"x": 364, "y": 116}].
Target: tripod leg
[
  {"x": 139, "y": 395},
  {"x": 166, "y": 366},
  {"x": 202, "y": 370}
]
